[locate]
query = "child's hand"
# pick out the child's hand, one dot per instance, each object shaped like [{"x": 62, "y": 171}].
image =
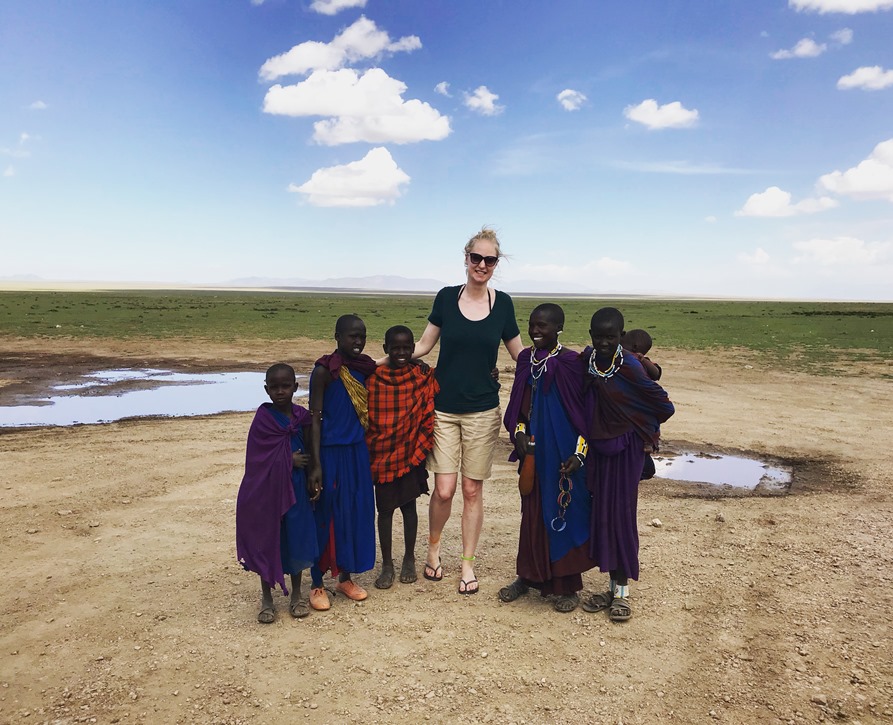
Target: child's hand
[
  {"x": 421, "y": 365},
  {"x": 521, "y": 440},
  {"x": 300, "y": 459},
  {"x": 494, "y": 373},
  {"x": 314, "y": 483},
  {"x": 571, "y": 465}
]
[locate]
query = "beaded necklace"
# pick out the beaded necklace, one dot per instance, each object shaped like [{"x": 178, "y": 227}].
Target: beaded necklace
[
  {"x": 538, "y": 367},
  {"x": 616, "y": 363}
]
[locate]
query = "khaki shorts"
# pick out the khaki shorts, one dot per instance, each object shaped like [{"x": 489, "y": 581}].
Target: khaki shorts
[{"x": 465, "y": 443}]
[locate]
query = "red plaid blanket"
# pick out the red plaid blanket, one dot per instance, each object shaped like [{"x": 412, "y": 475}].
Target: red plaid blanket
[{"x": 401, "y": 419}]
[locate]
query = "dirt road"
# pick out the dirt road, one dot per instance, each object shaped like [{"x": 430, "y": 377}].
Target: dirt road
[{"x": 122, "y": 600}]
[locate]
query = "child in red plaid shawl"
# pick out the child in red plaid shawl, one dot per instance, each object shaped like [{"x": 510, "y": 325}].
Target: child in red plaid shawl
[{"x": 399, "y": 437}]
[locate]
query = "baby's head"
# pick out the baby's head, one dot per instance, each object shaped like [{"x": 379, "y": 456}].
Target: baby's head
[
  {"x": 398, "y": 345},
  {"x": 281, "y": 385},
  {"x": 637, "y": 341},
  {"x": 350, "y": 334}
]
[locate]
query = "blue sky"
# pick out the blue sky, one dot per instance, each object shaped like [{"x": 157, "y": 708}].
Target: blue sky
[{"x": 710, "y": 148}]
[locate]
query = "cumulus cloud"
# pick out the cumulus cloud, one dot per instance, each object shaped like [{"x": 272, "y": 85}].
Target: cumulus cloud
[
  {"x": 759, "y": 257},
  {"x": 443, "y": 88},
  {"x": 849, "y": 7},
  {"x": 571, "y": 100},
  {"x": 361, "y": 41},
  {"x": 361, "y": 107},
  {"x": 775, "y": 202},
  {"x": 670, "y": 115},
  {"x": 868, "y": 78},
  {"x": 38, "y": 106},
  {"x": 844, "y": 36},
  {"x": 843, "y": 251},
  {"x": 710, "y": 219},
  {"x": 333, "y": 7},
  {"x": 373, "y": 180},
  {"x": 9, "y": 171},
  {"x": 870, "y": 179},
  {"x": 484, "y": 102},
  {"x": 805, "y": 48}
]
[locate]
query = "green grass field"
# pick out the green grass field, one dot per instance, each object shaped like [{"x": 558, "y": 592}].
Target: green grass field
[{"x": 808, "y": 335}]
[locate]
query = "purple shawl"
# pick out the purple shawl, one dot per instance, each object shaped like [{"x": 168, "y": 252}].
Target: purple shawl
[
  {"x": 565, "y": 370},
  {"x": 266, "y": 493},
  {"x": 628, "y": 400}
]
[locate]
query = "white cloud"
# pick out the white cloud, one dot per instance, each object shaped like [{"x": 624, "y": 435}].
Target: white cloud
[
  {"x": 571, "y": 100},
  {"x": 601, "y": 267},
  {"x": 805, "y": 48},
  {"x": 868, "y": 78},
  {"x": 484, "y": 102},
  {"x": 670, "y": 115},
  {"x": 844, "y": 36},
  {"x": 367, "y": 107},
  {"x": 843, "y": 251},
  {"x": 758, "y": 258},
  {"x": 443, "y": 88},
  {"x": 38, "y": 106},
  {"x": 361, "y": 41},
  {"x": 870, "y": 179},
  {"x": 710, "y": 219},
  {"x": 257, "y": 2},
  {"x": 373, "y": 180},
  {"x": 9, "y": 171},
  {"x": 850, "y": 7},
  {"x": 686, "y": 168},
  {"x": 333, "y": 7},
  {"x": 775, "y": 202}
]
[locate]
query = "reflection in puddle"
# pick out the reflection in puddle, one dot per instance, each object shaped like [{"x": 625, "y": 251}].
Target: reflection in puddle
[
  {"x": 721, "y": 470},
  {"x": 109, "y": 395}
]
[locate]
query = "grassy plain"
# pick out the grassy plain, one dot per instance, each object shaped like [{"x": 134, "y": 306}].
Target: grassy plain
[{"x": 807, "y": 335}]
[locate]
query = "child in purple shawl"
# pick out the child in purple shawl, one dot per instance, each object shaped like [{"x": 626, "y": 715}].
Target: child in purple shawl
[
  {"x": 275, "y": 531},
  {"x": 626, "y": 409},
  {"x": 546, "y": 405}
]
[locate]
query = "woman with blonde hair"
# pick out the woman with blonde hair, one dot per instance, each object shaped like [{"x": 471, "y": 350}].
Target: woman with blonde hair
[{"x": 470, "y": 321}]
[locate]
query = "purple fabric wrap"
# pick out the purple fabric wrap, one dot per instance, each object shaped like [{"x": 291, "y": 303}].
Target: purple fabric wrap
[
  {"x": 362, "y": 364},
  {"x": 628, "y": 400},
  {"x": 266, "y": 493},
  {"x": 569, "y": 382}
]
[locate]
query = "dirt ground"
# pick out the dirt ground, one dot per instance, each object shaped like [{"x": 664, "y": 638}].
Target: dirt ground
[{"x": 122, "y": 600}]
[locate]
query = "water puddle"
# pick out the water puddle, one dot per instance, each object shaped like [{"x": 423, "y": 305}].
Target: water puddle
[
  {"x": 722, "y": 470},
  {"x": 109, "y": 395}
]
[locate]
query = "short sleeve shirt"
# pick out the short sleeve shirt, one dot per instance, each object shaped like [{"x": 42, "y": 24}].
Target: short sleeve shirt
[{"x": 468, "y": 350}]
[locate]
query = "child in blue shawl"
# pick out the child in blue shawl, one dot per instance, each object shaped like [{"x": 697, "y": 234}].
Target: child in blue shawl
[{"x": 275, "y": 531}]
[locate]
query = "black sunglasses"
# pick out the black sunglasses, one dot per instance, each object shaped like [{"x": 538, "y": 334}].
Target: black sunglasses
[{"x": 478, "y": 258}]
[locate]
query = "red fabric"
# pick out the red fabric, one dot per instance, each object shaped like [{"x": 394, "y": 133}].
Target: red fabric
[{"x": 401, "y": 419}]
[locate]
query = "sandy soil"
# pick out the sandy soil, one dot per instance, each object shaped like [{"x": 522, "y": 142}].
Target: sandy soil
[{"x": 123, "y": 601}]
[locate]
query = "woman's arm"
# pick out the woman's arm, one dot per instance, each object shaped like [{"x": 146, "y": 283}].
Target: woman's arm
[
  {"x": 427, "y": 341},
  {"x": 514, "y": 346}
]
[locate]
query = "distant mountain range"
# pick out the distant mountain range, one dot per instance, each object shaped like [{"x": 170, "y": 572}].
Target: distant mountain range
[{"x": 392, "y": 283}]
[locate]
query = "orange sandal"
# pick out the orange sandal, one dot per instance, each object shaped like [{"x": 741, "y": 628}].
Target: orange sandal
[{"x": 352, "y": 590}]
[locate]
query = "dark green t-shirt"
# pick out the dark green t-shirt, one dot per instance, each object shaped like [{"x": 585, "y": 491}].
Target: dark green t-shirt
[{"x": 468, "y": 351}]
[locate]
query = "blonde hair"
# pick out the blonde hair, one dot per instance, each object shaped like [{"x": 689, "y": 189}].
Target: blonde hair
[{"x": 485, "y": 235}]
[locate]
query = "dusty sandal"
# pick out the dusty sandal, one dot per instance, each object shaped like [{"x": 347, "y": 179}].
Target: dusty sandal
[
  {"x": 408, "y": 573},
  {"x": 386, "y": 578},
  {"x": 267, "y": 615},
  {"x": 620, "y": 610},
  {"x": 299, "y": 609},
  {"x": 566, "y": 603},
  {"x": 513, "y": 591},
  {"x": 597, "y": 602}
]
